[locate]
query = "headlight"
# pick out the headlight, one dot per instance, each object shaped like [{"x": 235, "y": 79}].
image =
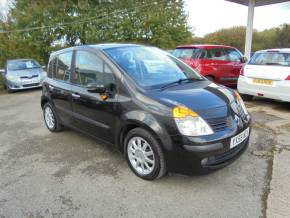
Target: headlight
[
  {"x": 190, "y": 123},
  {"x": 241, "y": 102},
  {"x": 43, "y": 75},
  {"x": 12, "y": 78}
]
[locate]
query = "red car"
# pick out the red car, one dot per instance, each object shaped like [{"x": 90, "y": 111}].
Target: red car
[{"x": 218, "y": 63}]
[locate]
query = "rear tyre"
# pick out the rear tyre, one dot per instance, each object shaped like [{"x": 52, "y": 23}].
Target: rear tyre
[
  {"x": 144, "y": 154},
  {"x": 247, "y": 97},
  {"x": 51, "y": 119}
]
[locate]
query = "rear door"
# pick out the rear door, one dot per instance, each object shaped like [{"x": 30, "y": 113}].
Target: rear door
[
  {"x": 222, "y": 63},
  {"x": 92, "y": 114},
  {"x": 59, "y": 86},
  {"x": 189, "y": 55},
  {"x": 216, "y": 61},
  {"x": 269, "y": 66}
]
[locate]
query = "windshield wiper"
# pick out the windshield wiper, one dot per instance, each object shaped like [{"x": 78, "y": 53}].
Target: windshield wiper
[{"x": 179, "y": 82}]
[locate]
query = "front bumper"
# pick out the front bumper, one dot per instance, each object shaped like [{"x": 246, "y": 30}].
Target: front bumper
[
  {"x": 20, "y": 86},
  {"x": 203, "y": 157}
]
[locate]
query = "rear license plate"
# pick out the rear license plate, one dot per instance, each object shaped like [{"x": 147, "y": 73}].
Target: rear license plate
[
  {"x": 263, "y": 81},
  {"x": 240, "y": 138}
]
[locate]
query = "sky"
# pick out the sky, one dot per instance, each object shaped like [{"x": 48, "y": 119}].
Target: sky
[
  {"x": 207, "y": 16},
  {"x": 3, "y": 6}
]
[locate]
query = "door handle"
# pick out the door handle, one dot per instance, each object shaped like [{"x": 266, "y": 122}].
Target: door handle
[{"x": 75, "y": 95}]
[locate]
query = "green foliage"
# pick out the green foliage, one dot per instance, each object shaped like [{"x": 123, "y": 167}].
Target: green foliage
[
  {"x": 162, "y": 23},
  {"x": 2, "y": 90},
  {"x": 278, "y": 37}
]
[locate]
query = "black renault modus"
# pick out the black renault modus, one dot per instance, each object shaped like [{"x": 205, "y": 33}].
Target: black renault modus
[{"x": 162, "y": 115}]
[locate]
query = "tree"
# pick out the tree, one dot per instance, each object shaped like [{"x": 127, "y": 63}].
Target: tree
[
  {"x": 283, "y": 36},
  {"x": 235, "y": 36},
  {"x": 162, "y": 23}
]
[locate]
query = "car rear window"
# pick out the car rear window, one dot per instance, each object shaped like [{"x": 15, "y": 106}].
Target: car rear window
[
  {"x": 187, "y": 53},
  {"x": 271, "y": 58}
]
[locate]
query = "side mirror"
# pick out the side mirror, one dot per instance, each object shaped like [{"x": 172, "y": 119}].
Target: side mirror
[
  {"x": 43, "y": 67},
  {"x": 94, "y": 88},
  {"x": 244, "y": 59},
  {"x": 2, "y": 71}
]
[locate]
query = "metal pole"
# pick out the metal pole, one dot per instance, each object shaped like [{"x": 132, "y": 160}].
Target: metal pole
[{"x": 249, "y": 32}]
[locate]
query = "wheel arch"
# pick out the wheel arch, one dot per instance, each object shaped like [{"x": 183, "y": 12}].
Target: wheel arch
[
  {"x": 44, "y": 100},
  {"x": 147, "y": 122}
]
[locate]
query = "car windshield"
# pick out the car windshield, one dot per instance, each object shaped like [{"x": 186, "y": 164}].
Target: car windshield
[
  {"x": 151, "y": 67},
  {"x": 271, "y": 58},
  {"x": 22, "y": 65}
]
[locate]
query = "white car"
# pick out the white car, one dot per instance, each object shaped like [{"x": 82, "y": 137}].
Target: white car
[{"x": 267, "y": 75}]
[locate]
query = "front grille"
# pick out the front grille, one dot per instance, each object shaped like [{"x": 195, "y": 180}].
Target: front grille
[
  {"x": 31, "y": 85},
  {"x": 29, "y": 77},
  {"x": 219, "y": 124}
]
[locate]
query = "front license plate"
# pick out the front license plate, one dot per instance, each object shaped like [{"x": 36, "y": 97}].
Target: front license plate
[
  {"x": 28, "y": 81},
  {"x": 240, "y": 138},
  {"x": 263, "y": 81}
]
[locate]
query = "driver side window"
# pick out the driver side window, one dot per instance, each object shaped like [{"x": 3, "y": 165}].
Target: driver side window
[{"x": 90, "y": 69}]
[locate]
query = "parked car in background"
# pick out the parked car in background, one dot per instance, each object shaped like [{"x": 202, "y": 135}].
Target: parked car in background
[
  {"x": 158, "y": 111},
  {"x": 218, "y": 63},
  {"x": 21, "y": 74},
  {"x": 267, "y": 75}
]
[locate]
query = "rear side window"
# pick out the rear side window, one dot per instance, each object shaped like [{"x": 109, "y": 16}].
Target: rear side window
[
  {"x": 271, "y": 58},
  {"x": 223, "y": 54},
  {"x": 63, "y": 69},
  {"x": 52, "y": 67},
  {"x": 216, "y": 54},
  {"x": 187, "y": 53},
  {"x": 90, "y": 69}
]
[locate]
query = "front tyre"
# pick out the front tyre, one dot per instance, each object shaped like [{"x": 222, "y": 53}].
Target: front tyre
[
  {"x": 247, "y": 97},
  {"x": 9, "y": 91},
  {"x": 51, "y": 120},
  {"x": 144, "y": 154}
]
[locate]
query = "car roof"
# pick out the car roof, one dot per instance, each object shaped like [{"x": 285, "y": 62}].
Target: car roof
[
  {"x": 205, "y": 46},
  {"x": 287, "y": 50},
  {"x": 102, "y": 46}
]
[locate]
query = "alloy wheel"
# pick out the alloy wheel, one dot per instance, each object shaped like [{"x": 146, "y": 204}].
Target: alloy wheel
[
  {"x": 49, "y": 118},
  {"x": 140, "y": 155}
]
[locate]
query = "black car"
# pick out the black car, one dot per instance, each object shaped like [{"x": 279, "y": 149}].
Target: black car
[{"x": 162, "y": 115}]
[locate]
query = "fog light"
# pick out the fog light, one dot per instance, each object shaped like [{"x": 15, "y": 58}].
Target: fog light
[{"x": 204, "y": 161}]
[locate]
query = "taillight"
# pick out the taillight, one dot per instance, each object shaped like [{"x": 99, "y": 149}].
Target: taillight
[
  {"x": 242, "y": 71},
  {"x": 288, "y": 78}
]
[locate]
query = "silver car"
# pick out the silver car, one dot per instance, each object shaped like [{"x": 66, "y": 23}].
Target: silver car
[{"x": 21, "y": 74}]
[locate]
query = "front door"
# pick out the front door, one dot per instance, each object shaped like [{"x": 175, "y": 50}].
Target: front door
[
  {"x": 92, "y": 114},
  {"x": 59, "y": 86}
]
